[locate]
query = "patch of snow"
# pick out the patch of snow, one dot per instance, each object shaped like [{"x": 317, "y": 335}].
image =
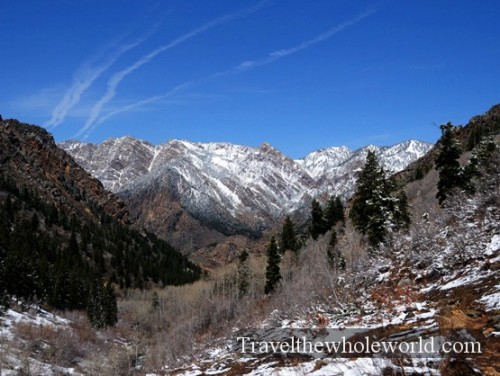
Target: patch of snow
[
  {"x": 465, "y": 280},
  {"x": 494, "y": 246},
  {"x": 491, "y": 302},
  {"x": 383, "y": 277},
  {"x": 217, "y": 372},
  {"x": 39, "y": 318},
  {"x": 191, "y": 373}
]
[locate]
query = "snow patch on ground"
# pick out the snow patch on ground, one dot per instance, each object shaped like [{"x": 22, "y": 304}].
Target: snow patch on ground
[
  {"x": 40, "y": 317},
  {"x": 494, "y": 246},
  {"x": 492, "y": 301},
  {"x": 467, "y": 279},
  {"x": 12, "y": 363}
]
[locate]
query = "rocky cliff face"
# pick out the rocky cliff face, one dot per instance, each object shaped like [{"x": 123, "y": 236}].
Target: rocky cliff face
[
  {"x": 30, "y": 158},
  {"x": 197, "y": 194}
]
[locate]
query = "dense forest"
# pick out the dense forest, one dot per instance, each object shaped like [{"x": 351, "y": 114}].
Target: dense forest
[{"x": 70, "y": 256}]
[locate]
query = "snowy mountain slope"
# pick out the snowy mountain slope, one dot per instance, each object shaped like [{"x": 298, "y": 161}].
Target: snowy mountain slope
[
  {"x": 115, "y": 162},
  {"x": 231, "y": 188},
  {"x": 230, "y": 172},
  {"x": 334, "y": 169}
]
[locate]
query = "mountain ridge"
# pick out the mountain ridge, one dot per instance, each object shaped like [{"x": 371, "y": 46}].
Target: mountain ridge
[
  {"x": 226, "y": 189},
  {"x": 90, "y": 155}
]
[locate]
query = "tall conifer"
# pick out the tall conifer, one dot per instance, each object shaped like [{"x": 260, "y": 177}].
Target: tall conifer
[
  {"x": 288, "y": 237},
  {"x": 450, "y": 172},
  {"x": 273, "y": 275}
]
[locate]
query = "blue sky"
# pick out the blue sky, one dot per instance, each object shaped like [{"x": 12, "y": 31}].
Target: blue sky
[{"x": 299, "y": 74}]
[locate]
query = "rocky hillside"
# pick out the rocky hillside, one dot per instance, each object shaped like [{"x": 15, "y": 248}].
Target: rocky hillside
[
  {"x": 196, "y": 194},
  {"x": 61, "y": 230},
  {"x": 30, "y": 158},
  {"x": 469, "y": 136}
]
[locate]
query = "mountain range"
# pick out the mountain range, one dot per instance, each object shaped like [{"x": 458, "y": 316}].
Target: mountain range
[
  {"x": 67, "y": 242},
  {"x": 198, "y": 194}
]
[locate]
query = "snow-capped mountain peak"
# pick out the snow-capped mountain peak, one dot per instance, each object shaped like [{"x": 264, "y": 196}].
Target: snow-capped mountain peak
[{"x": 231, "y": 186}]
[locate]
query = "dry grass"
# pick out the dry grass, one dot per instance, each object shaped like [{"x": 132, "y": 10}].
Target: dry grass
[
  {"x": 189, "y": 315},
  {"x": 76, "y": 346}
]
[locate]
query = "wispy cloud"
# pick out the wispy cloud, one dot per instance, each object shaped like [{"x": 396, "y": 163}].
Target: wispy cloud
[
  {"x": 39, "y": 102},
  {"x": 118, "y": 77},
  {"x": 84, "y": 77},
  {"x": 280, "y": 54},
  {"x": 240, "y": 68},
  {"x": 141, "y": 103}
]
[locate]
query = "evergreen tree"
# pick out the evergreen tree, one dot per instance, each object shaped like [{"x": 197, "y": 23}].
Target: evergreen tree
[
  {"x": 73, "y": 244},
  {"x": 368, "y": 207},
  {"x": 243, "y": 274},
  {"x": 378, "y": 204},
  {"x": 110, "y": 308},
  {"x": 273, "y": 275},
  {"x": 334, "y": 211},
  {"x": 61, "y": 293},
  {"x": 95, "y": 311},
  {"x": 288, "y": 237},
  {"x": 482, "y": 163},
  {"x": 401, "y": 213},
  {"x": 8, "y": 209},
  {"x": 450, "y": 172},
  {"x": 4, "y": 302},
  {"x": 330, "y": 252},
  {"x": 34, "y": 223},
  {"x": 318, "y": 224},
  {"x": 155, "y": 301},
  {"x": 419, "y": 173},
  {"x": 102, "y": 309}
]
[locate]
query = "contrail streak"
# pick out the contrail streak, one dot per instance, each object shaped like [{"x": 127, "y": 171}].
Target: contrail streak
[
  {"x": 279, "y": 54},
  {"x": 118, "y": 77},
  {"x": 240, "y": 68},
  {"x": 157, "y": 98},
  {"x": 83, "y": 78}
]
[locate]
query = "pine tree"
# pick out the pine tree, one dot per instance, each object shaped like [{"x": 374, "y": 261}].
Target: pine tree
[
  {"x": 288, "y": 237},
  {"x": 318, "y": 224},
  {"x": 401, "y": 213},
  {"x": 481, "y": 165},
  {"x": 368, "y": 208},
  {"x": 102, "y": 309},
  {"x": 155, "y": 301},
  {"x": 334, "y": 211},
  {"x": 378, "y": 204},
  {"x": 95, "y": 311},
  {"x": 330, "y": 252},
  {"x": 110, "y": 308},
  {"x": 339, "y": 209},
  {"x": 34, "y": 223},
  {"x": 450, "y": 172},
  {"x": 273, "y": 275},
  {"x": 8, "y": 208},
  {"x": 243, "y": 274}
]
